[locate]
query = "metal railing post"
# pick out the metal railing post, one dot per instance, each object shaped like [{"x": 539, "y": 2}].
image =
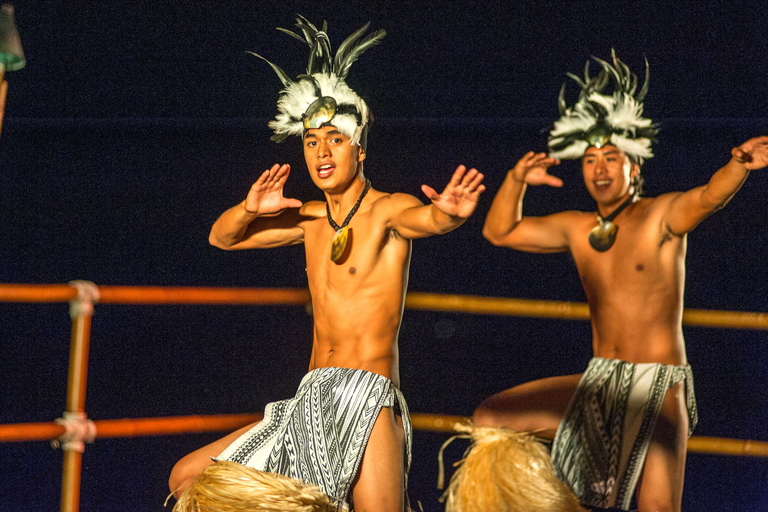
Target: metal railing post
[{"x": 81, "y": 311}]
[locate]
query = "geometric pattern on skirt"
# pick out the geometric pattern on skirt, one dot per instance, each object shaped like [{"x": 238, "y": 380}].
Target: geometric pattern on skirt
[
  {"x": 600, "y": 446},
  {"x": 319, "y": 436}
]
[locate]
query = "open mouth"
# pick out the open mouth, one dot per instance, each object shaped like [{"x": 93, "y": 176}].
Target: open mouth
[
  {"x": 325, "y": 170},
  {"x": 602, "y": 184}
]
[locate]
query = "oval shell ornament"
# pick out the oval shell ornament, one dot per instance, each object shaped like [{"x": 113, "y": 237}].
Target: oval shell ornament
[
  {"x": 321, "y": 111},
  {"x": 601, "y": 237}
]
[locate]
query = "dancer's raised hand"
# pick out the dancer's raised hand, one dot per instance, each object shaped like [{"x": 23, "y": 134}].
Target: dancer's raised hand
[
  {"x": 753, "y": 154},
  {"x": 266, "y": 195},
  {"x": 532, "y": 169},
  {"x": 460, "y": 196}
]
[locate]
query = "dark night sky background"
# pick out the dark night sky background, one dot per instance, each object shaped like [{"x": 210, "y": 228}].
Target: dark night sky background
[{"x": 135, "y": 124}]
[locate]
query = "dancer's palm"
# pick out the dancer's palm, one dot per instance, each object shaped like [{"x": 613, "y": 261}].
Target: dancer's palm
[
  {"x": 460, "y": 196},
  {"x": 266, "y": 195},
  {"x": 532, "y": 169}
]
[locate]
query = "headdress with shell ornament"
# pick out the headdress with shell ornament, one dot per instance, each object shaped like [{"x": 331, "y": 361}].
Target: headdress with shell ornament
[
  {"x": 597, "y": 119},
  {"x": 321, "y": 97}
]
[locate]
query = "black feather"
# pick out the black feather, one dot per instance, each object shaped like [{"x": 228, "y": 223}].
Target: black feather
[
  {"x": 562, "y": 106},
  {"x": 577, "y": 80},
  {"x": 601, "y": 81},
  {"x": 282, "y": 75},
  {"x": 644, "y": 90},
  {"x": 292, "y": 34},
  {"x": 313, "y": 57},
  {"x": 327, "y": 53},
  {"x": 307, "y": 28},
  {"x": 347, "y": 59},
  {"x": 346, "y": 44}
]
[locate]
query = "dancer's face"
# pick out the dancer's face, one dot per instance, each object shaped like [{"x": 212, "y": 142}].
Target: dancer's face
[
  {"x": 332, "y": 161},
  {"x": 608, "y": 174}
]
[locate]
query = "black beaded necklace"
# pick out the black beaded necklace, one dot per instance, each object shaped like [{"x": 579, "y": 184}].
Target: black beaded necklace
[{"x": 339, "y": 242}]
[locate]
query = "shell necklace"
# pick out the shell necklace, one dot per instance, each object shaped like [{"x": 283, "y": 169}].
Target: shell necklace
[
  {"x": 339, "y": 243},
  {"x": 602, "y": 236}
]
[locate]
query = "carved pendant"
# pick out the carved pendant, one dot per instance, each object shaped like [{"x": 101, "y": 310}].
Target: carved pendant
[
  {"x": 339, "y": 244},
  {"x": 602, "y": 236}
]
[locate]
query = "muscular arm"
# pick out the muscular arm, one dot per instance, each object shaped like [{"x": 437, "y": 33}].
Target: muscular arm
[
  {"x": 238, "y": 229},
  {"x": 416, "y": 220},
  {"x": 689, "y": 208},
  {"x": 265, "y": 219},
  {"x": 447, "y": 211},
  {"x": 505, "y": 225}
]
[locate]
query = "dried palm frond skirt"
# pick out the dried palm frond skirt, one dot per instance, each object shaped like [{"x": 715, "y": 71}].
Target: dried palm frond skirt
[
  {"x": 231, "y": 487},
  {"x": 506, "y": 471},
  {"x": 319, "y": 436}
]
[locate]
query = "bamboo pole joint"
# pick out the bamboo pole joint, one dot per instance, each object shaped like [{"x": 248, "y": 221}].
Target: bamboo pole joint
[
  {"x": 87, "y": 296},
  {"x": 78, "y": 430}
]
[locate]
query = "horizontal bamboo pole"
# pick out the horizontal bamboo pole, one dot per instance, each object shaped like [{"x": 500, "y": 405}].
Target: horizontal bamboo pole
[
  {"x": 724, "y": 446},
  {"x": 190, "y": 295},
  {"x": 20, "y": 432},
  {"x": 37, "y": 293},
  {"x": 497, "y": 306},
  {"x": 568, "y": 310},
  {"x": 435, "y": 422},
  {"x": 415, "y": 300},
  {"x": 725, "y": 319},
  {"x": 131, "y": 427},
  {"x": 138, "y": 427}
]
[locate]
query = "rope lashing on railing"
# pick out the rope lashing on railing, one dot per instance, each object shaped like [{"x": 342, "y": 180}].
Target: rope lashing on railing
[
  {"x": 78, "y": 430},
  {"x": 87, "y": 296}
]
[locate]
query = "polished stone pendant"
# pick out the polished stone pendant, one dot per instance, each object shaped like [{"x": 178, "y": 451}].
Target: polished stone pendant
[
  {"x": 339, "y": 244},
  {"x": 602, "y": 236}
]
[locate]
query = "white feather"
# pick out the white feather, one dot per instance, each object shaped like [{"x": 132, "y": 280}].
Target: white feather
[
  {"x": 623, "y": 115},
  {"x": 637, "y": 147},
  {"x": 606, "y": 102},
  {"x": 626, "y": 113},
  {"x": 576, "y": 119},
  {"x": 297, "y": 97},
  {"x": 572, "y": 152}
]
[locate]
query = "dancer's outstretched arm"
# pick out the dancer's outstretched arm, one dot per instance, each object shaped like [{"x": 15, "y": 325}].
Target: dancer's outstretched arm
[
  {"x": 505, "y": 225},
  {"x": 689, "y": 208},
  {"x": 264, "y": 219},
  {"x": 448, "y": 210}
]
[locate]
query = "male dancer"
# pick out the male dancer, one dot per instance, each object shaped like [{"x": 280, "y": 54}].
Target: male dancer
[
  {"x": 347, "y": 430},
  {"x": 626, "y": 420}
]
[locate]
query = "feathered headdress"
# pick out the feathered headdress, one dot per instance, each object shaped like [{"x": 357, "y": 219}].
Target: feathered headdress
[
  {"x": 597, "y": 119},
  {"x": 321, "y": 97}
]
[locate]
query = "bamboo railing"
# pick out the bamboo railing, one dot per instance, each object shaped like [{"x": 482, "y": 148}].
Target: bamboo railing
[{"x": 74, "y": 429}]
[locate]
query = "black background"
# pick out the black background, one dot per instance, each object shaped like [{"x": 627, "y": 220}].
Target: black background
[{"x": 135, "y": 124}]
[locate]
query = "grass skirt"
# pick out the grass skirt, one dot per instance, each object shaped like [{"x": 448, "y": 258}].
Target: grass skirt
[
  {"x": 506, "y": 471},
  {"x": 231, "y": 487}
]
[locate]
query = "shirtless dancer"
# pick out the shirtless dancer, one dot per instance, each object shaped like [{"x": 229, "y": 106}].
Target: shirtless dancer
[
  {"x": 357, "y": 279},
  {"x": 624, "y": 422}
]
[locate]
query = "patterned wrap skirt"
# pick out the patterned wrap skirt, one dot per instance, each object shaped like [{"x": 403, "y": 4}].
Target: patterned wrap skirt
[
  {"x": 319, "y": 436},
  {"x": 600, "y": 446}
]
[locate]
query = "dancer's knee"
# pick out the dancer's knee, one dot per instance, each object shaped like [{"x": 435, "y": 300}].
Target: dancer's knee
[
  {"x": 485, "y": 416},
  {"x": 182, "y": 476}
]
